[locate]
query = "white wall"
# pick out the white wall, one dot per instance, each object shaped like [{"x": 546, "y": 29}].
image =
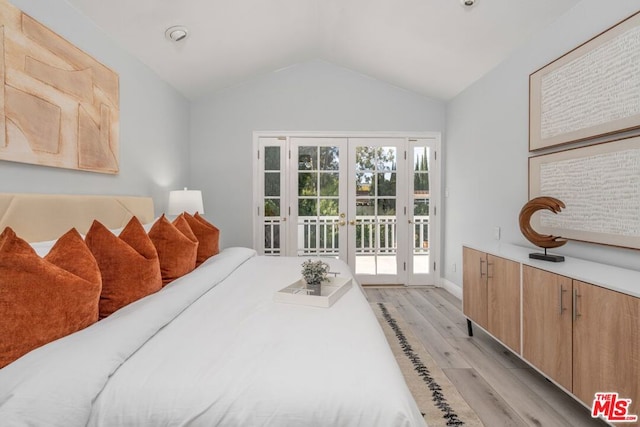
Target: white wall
[
  {"x": 313, "y": 96},
  {"x": 154, "y": 121},
  {"x": 486, "y": 142}
]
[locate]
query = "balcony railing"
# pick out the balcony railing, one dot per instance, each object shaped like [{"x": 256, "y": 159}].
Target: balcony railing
[{"x": 374, "y": 235}]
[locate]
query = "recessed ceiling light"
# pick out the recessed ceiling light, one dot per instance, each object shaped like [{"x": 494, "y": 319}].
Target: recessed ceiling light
[{"x": 177, "y": 33}]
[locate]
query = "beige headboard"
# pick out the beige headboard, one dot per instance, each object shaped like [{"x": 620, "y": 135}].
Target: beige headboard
[{"x": 38, "y": 217}]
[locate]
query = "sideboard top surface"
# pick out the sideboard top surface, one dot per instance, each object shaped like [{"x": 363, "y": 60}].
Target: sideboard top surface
[{"x": 614, "y": 278}]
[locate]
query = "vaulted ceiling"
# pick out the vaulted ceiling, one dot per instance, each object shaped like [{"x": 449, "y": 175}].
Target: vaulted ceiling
[{"x": 432, "y": 47}]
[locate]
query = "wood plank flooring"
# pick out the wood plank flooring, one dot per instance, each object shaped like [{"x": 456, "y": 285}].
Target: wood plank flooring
[{"x": 501, "y": 388}]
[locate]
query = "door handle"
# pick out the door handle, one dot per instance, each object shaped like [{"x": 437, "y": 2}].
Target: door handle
[
  {"x": 352, "y": 222},
  {"x": 560, "y": 292},
  {"x": 576, "y": 295},
  {"x": 342, "y": 223}
]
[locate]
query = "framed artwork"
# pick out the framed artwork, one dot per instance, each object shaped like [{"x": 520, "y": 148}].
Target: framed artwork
[
  {"x": 592, "y": 91},
  {"x": 600, "y": 186},
  {"x": 58, "y": 106}
]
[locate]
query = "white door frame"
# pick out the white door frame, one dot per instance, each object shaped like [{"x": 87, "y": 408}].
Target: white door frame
[{"x": 436, "y": 200}]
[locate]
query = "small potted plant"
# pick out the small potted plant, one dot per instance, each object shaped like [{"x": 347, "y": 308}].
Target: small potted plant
[{"x": 314, "y": 273}]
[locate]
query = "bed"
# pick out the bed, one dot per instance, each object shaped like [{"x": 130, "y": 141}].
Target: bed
[{"x": 214, "y": 348}]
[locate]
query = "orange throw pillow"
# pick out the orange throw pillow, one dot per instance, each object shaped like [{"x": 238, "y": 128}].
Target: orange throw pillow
[
  {"x": 216, "y": 246},
  {"x": 43, "y": 299},
  {"x": 207, "y": 235},
  {"x": 128, "y": 263},
  {"x": 177, "y": 247}
]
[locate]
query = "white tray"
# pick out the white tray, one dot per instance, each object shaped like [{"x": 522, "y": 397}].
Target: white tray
[{"x": 331, "y": 291}]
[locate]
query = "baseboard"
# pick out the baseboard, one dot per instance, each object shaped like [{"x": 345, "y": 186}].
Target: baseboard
[{"x": 451, "y": 287}]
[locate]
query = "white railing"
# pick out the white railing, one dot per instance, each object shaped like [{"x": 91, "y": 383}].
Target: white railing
[
  {"x": 319, "y": 235},
  {"x": 374, "y": 235},
  {"x": 272, "y": 236}
]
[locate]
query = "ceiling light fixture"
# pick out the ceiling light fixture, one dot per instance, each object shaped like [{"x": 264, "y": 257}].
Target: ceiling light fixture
[
  {"x": 468, "y": 3},
  {"x": 176, "y": 33}
]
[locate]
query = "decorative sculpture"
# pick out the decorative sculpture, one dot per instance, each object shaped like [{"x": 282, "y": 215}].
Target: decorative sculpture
[{"x": 541, "y": 240}]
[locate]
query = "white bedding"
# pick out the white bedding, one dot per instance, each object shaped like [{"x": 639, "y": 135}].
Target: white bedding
[{"x": 213, "y": 348}]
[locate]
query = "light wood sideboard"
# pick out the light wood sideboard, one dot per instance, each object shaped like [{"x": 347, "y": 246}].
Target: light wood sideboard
[{"x": 576, "y": 322}]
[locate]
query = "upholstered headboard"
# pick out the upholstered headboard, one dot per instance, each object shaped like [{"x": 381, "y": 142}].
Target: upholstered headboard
[{"x": 38, "y": 217}]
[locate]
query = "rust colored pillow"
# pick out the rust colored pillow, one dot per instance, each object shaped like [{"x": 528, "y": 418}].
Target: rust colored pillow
[
  {"x": 207, "y": 235},
  {"x": 43, "y": 299},
  {"x": 128, "y": 263},
  {"x": 177, "y": 247},
  {"x": 216, "y": 246}
]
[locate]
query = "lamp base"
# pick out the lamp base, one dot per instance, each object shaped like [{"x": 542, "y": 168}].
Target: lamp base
[{"x": 547, "y": 257}]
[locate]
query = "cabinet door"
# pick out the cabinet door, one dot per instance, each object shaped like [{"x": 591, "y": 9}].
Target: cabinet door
[
  {"x": 606, "y": 344},
  {"x": 546, "y": 328},
  {"x": 474, "y": 285},
  {"x": 504, "y": 301}
]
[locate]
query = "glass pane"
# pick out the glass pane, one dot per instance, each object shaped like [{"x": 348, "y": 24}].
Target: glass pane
[
  {"x": 329, "y": 184},
  {"x": 421, "y": 207},
  {"x": 271, "y": 238},
  {"x": 421, "y": 236},
  {"x": 387, "y": 184},
  {"x": 386, "y": 158},
  {"x": 272, "y": 184},
  {"x": 307, "y": 207},
  {"x": 308, "y": 184},
  {"x": 365, "y": 207},
  {"x": 365, "y": 186},
  {"x": 329, "y": 158},
  {"x": 308, "y": 230},
  {"x": 272, "y": 158},
  {"x": 421, "y": 263},
  {"x": 421, "y": 159},
  {"x": 386, "y": 207},
  {"x": 329, "y": 207},
  {"x": 307, "y": 158},
  {"x": 387, "y": 229},
  {"x": 328, "y": 237},
  {"x": 421, "y": 183},
  {"x": 276, "y": 236},
  {"x": 365, "y": 158},
  {"x": 272, "y": 207}
]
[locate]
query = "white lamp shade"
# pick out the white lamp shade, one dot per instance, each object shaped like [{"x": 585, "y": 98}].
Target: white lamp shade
[{"x": 185, "y": 201}]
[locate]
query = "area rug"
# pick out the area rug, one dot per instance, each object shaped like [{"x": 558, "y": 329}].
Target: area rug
[{"x": 435, "y": 395}]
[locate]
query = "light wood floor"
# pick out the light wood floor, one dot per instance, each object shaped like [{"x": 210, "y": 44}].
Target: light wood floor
[{"x": 501, "y": 388}]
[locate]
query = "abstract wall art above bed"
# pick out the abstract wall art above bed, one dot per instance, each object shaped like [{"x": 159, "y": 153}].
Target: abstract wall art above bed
[{"x": 59, "y": 106}]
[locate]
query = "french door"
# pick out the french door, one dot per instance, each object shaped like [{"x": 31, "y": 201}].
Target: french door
[
  {"x": 318, "y": 189},
  {"x": 366, "y": 200}
]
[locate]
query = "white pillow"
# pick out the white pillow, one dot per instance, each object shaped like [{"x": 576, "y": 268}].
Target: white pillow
[{"x": 43, "y": 248}]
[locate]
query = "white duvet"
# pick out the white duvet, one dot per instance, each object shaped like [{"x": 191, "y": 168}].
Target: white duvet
[{"x": 214, "y": 349}]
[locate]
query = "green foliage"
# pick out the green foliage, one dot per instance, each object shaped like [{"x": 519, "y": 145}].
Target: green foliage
[{"x": 315, "y": 272}]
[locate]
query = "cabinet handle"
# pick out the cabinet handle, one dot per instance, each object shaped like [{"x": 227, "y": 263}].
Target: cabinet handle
[
  {"x": 561, "y": 291},
  {"x": 489, "y": 264},
  {"x": 481, "y": 273},
  {"x": 575, "y": 305}
]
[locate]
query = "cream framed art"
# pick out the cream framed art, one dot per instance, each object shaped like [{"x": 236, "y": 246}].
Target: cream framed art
[
  {"x": 592, "y": 91},
  {"x": 600, "y": 186},
  {"x": 58, "y": 105}
]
